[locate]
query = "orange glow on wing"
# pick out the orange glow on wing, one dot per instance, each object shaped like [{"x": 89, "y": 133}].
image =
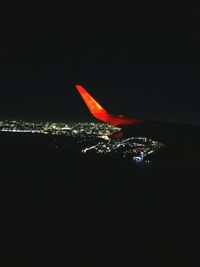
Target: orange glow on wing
[
  {"x": 100, "y": 113},
  {"x": 94, "y": 107}
]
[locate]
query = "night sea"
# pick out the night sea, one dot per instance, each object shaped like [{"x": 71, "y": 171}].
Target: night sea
[{"x": 95, "y": 209}]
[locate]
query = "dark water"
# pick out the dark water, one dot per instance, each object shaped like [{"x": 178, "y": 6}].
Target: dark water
[{"x": 61, "y": 208}]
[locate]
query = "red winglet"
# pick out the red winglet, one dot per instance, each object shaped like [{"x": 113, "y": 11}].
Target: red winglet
[{"x": 100, "y": 113}]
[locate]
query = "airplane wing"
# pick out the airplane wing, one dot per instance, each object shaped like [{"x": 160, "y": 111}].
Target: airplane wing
[{"x": 101, "y": 114}]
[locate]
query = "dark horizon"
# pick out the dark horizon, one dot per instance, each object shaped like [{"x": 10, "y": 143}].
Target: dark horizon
[
  {"x": 131, "y": 63},
  {"x": 54, "y": 98}
]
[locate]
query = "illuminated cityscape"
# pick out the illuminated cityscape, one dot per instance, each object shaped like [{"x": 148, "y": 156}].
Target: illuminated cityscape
[
  {"x": 136, "y": 147},
  {"x": 93, "y": 138},
  {"x": 81, "y": 129}
]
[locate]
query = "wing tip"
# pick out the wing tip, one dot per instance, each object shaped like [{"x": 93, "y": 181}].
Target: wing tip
[{"x": 79, "y": 86}]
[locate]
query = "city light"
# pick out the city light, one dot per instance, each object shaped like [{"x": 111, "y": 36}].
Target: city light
[{"x": 93, "y": 138}]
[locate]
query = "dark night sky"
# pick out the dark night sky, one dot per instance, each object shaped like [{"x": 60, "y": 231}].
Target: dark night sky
[{"x": 143, "y": 64}]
